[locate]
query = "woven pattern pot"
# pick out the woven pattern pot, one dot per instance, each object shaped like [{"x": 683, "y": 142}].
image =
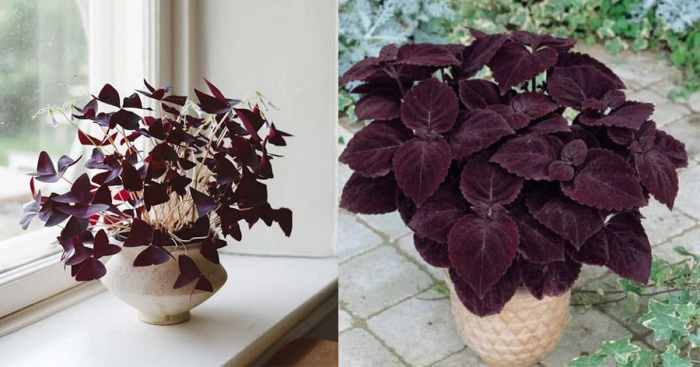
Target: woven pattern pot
[{"x": 520, "y": 336}]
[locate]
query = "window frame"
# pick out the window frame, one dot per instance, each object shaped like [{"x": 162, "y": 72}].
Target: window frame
[{"x": 37, "y": 281}]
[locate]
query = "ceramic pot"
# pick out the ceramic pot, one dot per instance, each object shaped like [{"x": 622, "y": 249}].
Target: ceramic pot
[
  {"x": 150, "y": 290},
  {"x": 521, "y": 335}
]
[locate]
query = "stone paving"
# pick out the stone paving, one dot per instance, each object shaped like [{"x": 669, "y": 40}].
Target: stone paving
[{"x": 394, "y": 311}]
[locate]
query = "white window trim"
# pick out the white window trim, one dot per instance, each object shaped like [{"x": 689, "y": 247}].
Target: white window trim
[{"x": 46, "y": 277}]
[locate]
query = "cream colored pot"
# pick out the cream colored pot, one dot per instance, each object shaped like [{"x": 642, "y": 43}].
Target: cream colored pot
[
  {"x": 525, "y": 331},
  {"x": 150, "y": 289}
]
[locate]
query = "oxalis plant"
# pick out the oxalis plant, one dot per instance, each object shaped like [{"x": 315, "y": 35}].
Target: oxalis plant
[
  {"x": 498, "y": 186},
  {"x": 172, "y": 174}
]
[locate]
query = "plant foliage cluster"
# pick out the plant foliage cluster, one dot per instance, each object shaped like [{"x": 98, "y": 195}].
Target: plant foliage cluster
[
  {"x": 183, "y": 173},
  {"x": 668, "y": 308},
  {"x": 496, "y": 184},
  {"x": 669, "y": 25},
  {"x": 368, "y": 25}
]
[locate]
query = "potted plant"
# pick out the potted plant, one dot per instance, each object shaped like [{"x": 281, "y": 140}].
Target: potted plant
[
  {"x": 164, "y": 189},
  {"x": 514, "y": 160}
]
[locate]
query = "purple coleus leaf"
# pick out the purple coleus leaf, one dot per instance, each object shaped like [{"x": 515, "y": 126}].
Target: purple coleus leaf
[
  {"x": 528, "y": 156},
  {"x": 578, "y": 59},
  {"x": 493, "y": 300},
  {"x": 378, "y": 106},
  {"x": 606, "y": 181},
  {"x": 367, "y": 195},
  {"x": 552, "y": 279},
  {"x": 630, "y": 115},
  {"x": 429, "y": 107},
  {"x": 486, "y": 184},
  {"x": 532, "y": 104},
  {"x": 554, "y": 124},
  {"x": 434, "y": 253},
  {"x": 671, "y": 148},
  {"x": 425, "y": 54},
  {"x": 479, "y": 93},
  {"x": 477, "y": 130},
  {"x": 482, "y": 249},
  {"x": 514, "y": 64},
  {"x": 537, "y": 244},
  {"x": 575, "y": 86},
  {"x": 536, "y": 41},
  {"x": 371, "y": 150},
  {"x": 479, "y": 53},
  {"x": 573, "y": 222},
  {"x": 434, "y": 219},
  {"x": 45, "y": 170},
  {"x": 420, "y": 167},
  {"x": 405, "y": 207},
  {"x": 629, "y": 251}
]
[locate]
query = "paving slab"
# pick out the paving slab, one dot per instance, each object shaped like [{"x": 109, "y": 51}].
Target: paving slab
[
  {"x": 353, "y": 236},
  {"x": 688, "y": 199},
  {"x": 358, "y": 348},
  {"x": 419, "y": 329},
  {"x": 661, "y": 223},
  {"x": 380, "y": 278},
  {"x": 687, "y": 130}
]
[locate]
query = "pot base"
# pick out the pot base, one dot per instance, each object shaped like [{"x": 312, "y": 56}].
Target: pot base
[{"x": 165, "y": 319}]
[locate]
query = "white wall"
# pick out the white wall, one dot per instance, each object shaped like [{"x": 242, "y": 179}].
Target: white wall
[{"x": 286, "y": 49}]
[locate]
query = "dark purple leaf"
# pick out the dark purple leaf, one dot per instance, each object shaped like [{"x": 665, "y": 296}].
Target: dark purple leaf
[
  {"x": 405, "y": 207},
  {"x": 606, "y": 181},
  {"x": 210, "y": 249},
  {"x": 188, "y": 271},
  {"x": 532, "y": 104},
  {"x": 574, "y": 152},
  {"x": 90, "y": 269},
  {"x": 658, "y": 175},
  {"x": 152, "y": 255},
  {"x": 211, "y": 104},
  {"x": 535, "y": 41},
  {"x": 102, "y": 247},
  {"x": 671, "y": 148},
  {"x": 479, "y": 53},
  {"x": 250, "y": 191},
  {"x": 628, "y": 247},
  {"x": 537, "y": 243},
  {"x": 481, "y": 250},
  {"x": 154, "y": 194},
  {"x": 594, "y": 251},
  {"x": 514, "y": 64},
  {"x": 573, "y": 222},
  {"x": 486, "y": 184},
  {"x": 378, "y": 107},
  {"x": 556, "y": 124},
  {"x": 573, "y": 85},
  {"x": 479, "y": 93},
  {"x": 203, "y": 284},
  {"x": 553, "y": 279},
  {"x": 434, "y": 219},
  {"x": 131, "y": 178},
  {"x": 430, "y": 106},
  {"x": 560, "y": 171},
  {"x": 434, "y": 253},
  {"x": 495, "y": 298},
  {"x": 420, "y": 167},
  {"x": 424, "y": 54},
  {"x": 109, "y": 95},
  {"x": 371, "y": 150},
  {"x": 630, "y": 115},
  {"x": 579, "y": 59},
  {"x": 367, "y": 195},
  {"x": 80, "y": 192},
  {"x": 362, "y": 70},
  {"x": 283, "y": 217},
  {"x": 204, "y": 203},
  {"x": 476, "y": 131},
  {"x": 141, "y": 234},
  {"x": 528, "y": 156},
  {"x": 126, "y": 119}
]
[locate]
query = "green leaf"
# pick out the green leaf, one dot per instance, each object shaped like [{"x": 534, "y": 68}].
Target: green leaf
[
  {"x": 645, "y": 358},
  {"x": 621, "y": 350},
  {"x": 594, "y": 360},
  {"x": 671, "y": 358},
  {"x": 663, "y": 321}
]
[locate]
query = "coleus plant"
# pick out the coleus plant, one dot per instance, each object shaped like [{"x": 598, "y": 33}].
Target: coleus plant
[
  {"x": 496, "y": 183},
  {"x": 158, "y": 177}
]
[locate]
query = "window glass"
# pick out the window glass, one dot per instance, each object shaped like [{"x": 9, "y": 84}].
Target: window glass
[{"x": 43, "y": 64}]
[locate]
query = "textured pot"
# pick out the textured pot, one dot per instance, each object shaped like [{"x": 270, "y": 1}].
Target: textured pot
[
  {"x": 521, "y": 335},
  {"x": 150, "y": 290}
]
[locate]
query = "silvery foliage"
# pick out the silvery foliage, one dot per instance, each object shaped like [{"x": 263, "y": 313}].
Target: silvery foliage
[
  {"x": 367, "y": 25},
  {"x": 678, "y": 15}
]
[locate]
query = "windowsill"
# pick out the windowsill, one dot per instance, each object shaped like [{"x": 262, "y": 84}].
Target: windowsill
[{"x": 265, "y": 298}]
